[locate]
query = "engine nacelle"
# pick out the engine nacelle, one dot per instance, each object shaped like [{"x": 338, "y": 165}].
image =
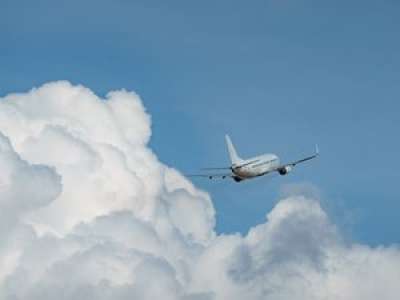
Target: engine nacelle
[
  {"x": 285, "y": 170},
  {"x": 237, "y": 178}
]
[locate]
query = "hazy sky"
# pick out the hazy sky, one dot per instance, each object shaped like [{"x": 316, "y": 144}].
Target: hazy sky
[{"x": 278, "y": 76}]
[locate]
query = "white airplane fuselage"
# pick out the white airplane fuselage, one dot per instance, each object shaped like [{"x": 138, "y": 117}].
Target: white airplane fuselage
[
  {"x": 242, "y": 169},
  {"x": 255, "y": 166}
]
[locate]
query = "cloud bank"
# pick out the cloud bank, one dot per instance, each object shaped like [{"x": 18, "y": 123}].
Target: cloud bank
[{"x": 88, "y": 212}]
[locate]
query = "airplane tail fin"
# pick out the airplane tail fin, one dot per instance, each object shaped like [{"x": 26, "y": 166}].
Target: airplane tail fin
[{"x": 235, "y": 159}]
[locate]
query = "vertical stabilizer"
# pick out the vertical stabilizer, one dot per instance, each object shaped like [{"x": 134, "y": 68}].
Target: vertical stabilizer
[{"x": 235, "y": 159}]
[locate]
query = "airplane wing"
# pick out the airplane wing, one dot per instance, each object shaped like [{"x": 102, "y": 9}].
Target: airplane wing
[
  {"x": 212, "y": 176},
  {"x": 294, "y": 163}
]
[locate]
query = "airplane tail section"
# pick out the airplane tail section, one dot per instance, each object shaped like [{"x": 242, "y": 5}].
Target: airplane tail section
[{"x": 235, "y": 159}]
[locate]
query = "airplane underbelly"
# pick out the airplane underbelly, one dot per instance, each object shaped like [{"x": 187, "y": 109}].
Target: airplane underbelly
[
  {"x": 257, "y": 170},
  {"x": 246, "y": 173},
  {"x": 263, "y": 169}
]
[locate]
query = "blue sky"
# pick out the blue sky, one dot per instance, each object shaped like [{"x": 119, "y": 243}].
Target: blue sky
[{"x": 277, "y": 75}]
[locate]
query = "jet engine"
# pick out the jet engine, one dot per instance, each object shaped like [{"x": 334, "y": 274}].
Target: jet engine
[
  {"x": 285, "y": 170},
  {"x": 237, "y": 178}
]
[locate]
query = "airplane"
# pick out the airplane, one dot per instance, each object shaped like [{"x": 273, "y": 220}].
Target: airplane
[{"x": 242, "y": 169}]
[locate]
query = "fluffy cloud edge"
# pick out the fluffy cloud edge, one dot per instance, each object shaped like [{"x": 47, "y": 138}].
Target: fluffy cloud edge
[{"x": 101, "y": 217}]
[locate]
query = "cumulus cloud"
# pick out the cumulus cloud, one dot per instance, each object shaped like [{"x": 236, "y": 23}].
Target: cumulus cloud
[{"x": 88, "y": 212}]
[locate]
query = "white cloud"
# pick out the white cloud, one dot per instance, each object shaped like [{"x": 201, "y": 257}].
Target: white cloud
[{"x": 88, "y": 212}]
